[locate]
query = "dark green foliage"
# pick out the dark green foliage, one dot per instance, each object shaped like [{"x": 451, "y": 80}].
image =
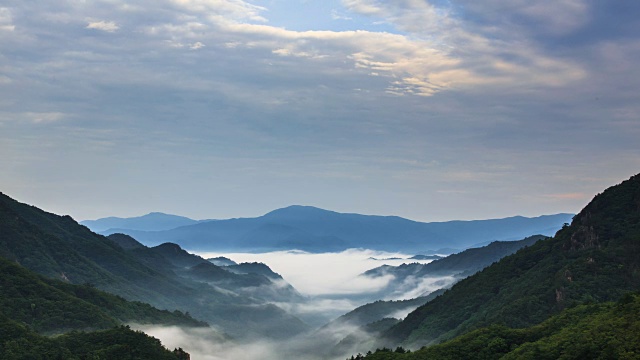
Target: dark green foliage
[
  {"x": 595, "y": 259},
  {"x": 597, "y": 331},
  {"x": 31, "y": 304},
  {"x": 122, "y": 343},
  {"x": 51, "y": 306}
]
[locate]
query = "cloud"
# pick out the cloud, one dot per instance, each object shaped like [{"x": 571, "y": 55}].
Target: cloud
[
  {"x": 325, "y": 273},
  {"x": 235, "y": 9},
  {"x": 108, "y": 26},
  {"x": 6, "y": 20}
]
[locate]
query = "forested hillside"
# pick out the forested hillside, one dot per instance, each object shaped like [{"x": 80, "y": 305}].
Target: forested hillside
[
  {"x": 596, "y": 331},
  {"x": 32, "y": 306},
  {"x": 59, "y": 248},
  {"x": 595, "y": 259}
]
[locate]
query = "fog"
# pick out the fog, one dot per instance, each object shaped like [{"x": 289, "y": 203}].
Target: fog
[
  {"x": 332, "y": 284},
  {"x": 208, "y": 344},
  {"x": 326, "y": 274}
]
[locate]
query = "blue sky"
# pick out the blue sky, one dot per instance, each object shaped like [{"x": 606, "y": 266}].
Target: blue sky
[{"x": 431, "y": 110}]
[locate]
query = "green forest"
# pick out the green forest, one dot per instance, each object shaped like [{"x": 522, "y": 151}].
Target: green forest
[
  {"x": 597, "y": 331},
  {"x": 42, "y": 318},
  {"x": 546, "y": 300}
]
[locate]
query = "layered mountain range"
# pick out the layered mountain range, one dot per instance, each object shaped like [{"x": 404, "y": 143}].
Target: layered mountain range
[
  {"x": 573, "y": 295},
  {"x": 238, "y": 302},
  {"x": 316, "y": 230}
]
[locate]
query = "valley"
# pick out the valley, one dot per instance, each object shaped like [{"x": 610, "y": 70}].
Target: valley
[{"x": 320, "y": 305}]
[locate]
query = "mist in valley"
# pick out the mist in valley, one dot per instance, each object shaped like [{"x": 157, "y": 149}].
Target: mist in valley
[{"x": 330, "y": 285}]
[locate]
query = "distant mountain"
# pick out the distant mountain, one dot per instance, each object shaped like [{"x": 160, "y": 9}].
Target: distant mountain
[
  {"x": 464, "y": 263},
  {"x": 414, "y": 280},
  {"x": 316, "y": 230},
  {"x": 155, "y": 221},
  {"x": 425, "y": 257},
  {"x": 58, "y": 247},
  {"x": 595, "y": 259}
]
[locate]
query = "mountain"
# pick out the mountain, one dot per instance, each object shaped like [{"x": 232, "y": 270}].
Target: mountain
[
  {"x": 59, "y": 248},
  {"x": 19, "y": 342},
  {"x": 316, "y": 230},
  {"x": 353, "y": 330},
  {"x": 463, "y": 263},
  {"x": 52, "y": 306},
  {"x": 594, "y": 259},
  {"x": 32, "y": 306},
  {"x": 154, "y": 221},
  {"x": 222, "y": 261},
  {"x": 596, "y": 331},
  {"x": 415, "y": 280},
  {"x": 254, "y": 268}
]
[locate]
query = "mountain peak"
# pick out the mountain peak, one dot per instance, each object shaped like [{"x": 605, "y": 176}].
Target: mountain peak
[{"x": 299, "y": 210}]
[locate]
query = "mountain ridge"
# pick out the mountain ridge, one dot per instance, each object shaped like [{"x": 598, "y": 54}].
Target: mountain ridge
[
  {"x": 596, "y": 258},
  {"x": 313, "y": 229},
  {"x": 58, "y": 247}
]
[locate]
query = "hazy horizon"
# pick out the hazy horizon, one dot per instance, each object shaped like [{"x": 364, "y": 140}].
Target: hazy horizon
[{"x": 117, "y": 216}]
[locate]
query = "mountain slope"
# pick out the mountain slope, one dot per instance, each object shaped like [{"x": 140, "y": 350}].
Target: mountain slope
[
  {"x": 464, "y": 263},
  {"x": 31, "y": 305},
  {"x": 595, "y": 259},
  {"x": 57, "y": 247},
  {"x": 18, "y": 342},
  {"x": 597, "y": 331},
  {"x": 316, "y": 230},
  {"x": 52, "y": 306},
  {"x": 416, "y": 280}
]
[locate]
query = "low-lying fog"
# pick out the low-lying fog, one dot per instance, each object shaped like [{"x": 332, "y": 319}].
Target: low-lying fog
[
  {"x": 326, "y": 274},
  {"x": 332, "y": 284}
]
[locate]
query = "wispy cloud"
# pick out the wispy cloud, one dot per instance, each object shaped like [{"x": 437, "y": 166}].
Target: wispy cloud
[{"x": 108, "y": 26}]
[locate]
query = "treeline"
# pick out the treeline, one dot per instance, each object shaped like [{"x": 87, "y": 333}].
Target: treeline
[{"x": 18, "y": 343}]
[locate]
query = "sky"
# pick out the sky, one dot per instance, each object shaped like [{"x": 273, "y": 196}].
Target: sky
[{"x": 430, "y": 110}]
